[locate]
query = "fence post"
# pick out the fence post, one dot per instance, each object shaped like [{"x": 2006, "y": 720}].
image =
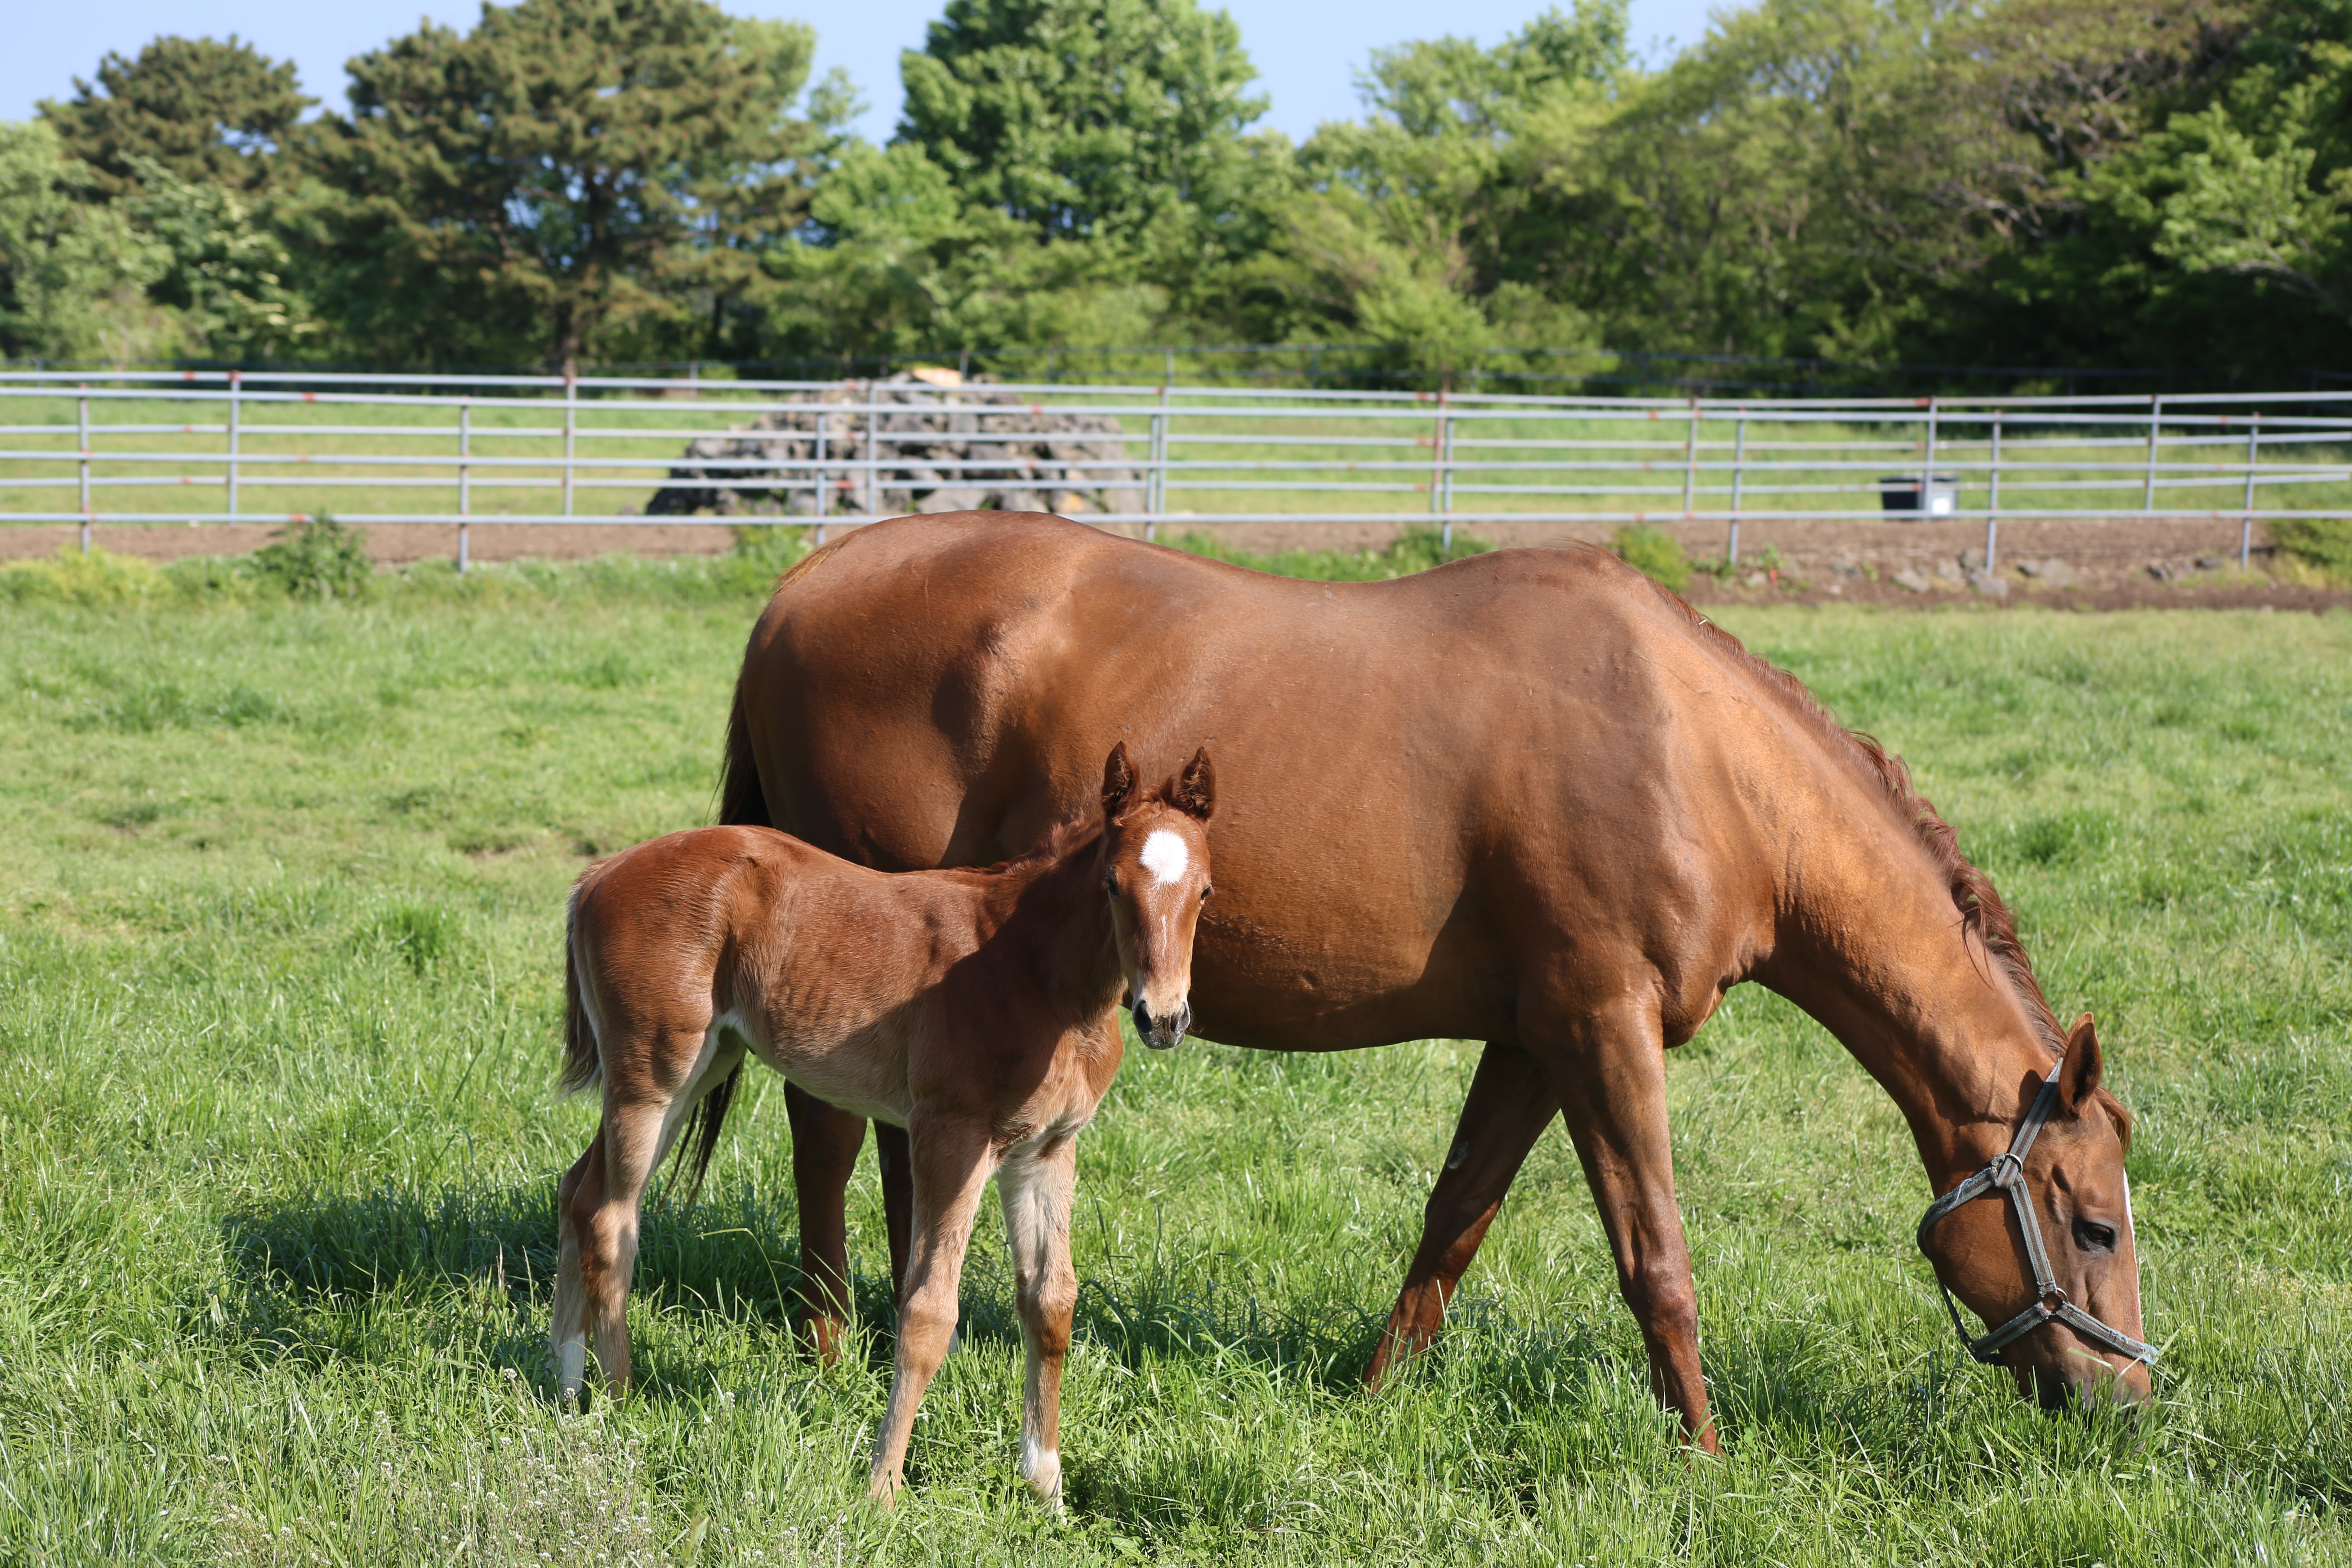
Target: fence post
[
  {"x": 571, "y": 432},
  {"x": 465, "y": 479},
  {"x": 83, "y": 403},
  {"x": 1738, "y": 476},
  {"x": 2246, "y": 524},
  {"x": 235, "y": 420},
  {"x": 1993, "y": 501},
  {"x": 873, "y": 453},
  {"x": 1155, "y": 494},
  {"x": 1690, "y": 458},
  {"x": 1440, "y": 498},
  {"x": 1927, "y": 475},
  {"x": 2154, "y": 423},
  {"x": 818, "y": 476}
]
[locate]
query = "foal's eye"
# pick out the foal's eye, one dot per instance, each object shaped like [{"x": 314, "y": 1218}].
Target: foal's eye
[
  {"x": 2093, "y": 1237},
  {"x": 1206, "y": 889},
  {"x": 1111, "y": 883}
]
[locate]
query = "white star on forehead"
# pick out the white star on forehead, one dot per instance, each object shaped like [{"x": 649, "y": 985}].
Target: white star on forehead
[{"x": 1165, "y": 857}]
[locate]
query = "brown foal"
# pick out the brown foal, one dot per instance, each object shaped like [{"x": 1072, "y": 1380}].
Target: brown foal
[{"x": 976, "y": 1009}]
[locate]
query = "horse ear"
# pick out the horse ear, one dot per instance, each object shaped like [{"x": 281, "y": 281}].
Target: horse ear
[
  {"x": 1119, "y": 782},
  {"x": 1196, "y": 787},
  {"x": 2078, "y": 1075}
]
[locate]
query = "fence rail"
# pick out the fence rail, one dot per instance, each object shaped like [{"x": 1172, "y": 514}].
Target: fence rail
[{"x": 268, "y": 447}]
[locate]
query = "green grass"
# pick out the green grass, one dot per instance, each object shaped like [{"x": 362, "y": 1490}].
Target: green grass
[{"x": 279, "y": 902}]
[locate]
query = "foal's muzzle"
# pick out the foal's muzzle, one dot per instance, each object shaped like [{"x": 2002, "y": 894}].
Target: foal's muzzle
[{"x": 1161, "y": 1032}]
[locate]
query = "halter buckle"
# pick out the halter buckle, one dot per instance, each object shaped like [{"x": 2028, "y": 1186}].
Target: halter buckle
[{"x": 2006, "y": 1171}]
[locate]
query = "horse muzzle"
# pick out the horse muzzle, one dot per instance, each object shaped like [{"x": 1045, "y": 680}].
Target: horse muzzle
[{"x": 1161, "y": 1031}]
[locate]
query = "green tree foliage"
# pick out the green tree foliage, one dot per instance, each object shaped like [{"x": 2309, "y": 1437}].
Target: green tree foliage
[
  {"x": 1067, "y": 171},
  {"x": 226, "y": 278},
  {"x": 572, "y": 175},
  {"x": 1405, "y": 226},
  {"x": 2058, "y": 182},
  {"x": 1081, "y": 119},
  {"x": 211, "y": 113},
  {"x": 73, "y": 271}
]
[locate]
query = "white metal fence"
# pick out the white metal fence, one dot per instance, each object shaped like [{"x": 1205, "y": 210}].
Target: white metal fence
[{"x": 385, "y": 448}]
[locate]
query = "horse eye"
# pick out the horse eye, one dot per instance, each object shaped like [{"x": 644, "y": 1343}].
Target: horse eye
[
  {"x": 1206, "y": 889},
  {"x": 2093, "y": 1237},
  {"x": 1111, "y": 883}
]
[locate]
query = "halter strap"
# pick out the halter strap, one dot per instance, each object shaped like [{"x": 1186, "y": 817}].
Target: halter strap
[{"x": 2006, "y": 1175}]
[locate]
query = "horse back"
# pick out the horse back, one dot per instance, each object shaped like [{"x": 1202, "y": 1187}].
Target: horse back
[{"x": 1421, "y": 782}]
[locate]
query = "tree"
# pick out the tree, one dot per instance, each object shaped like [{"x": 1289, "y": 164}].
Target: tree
[
  {"x": 1084, "y": 118},
  {"x": 225, "y": 275},
  {"x": 1401, "y": 230},
  {"x": 72, "y": 271},
  {"x": 571, "y": 174},
  {"x": 218, "y": 113}
]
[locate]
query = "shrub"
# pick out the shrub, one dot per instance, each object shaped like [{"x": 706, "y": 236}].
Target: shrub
[
  {"x": 2323, "y": 542},
  {"x": 317, "y": 557},
  {"x": 1653, "y": 553},
  {"x": 69, "y": 577}
]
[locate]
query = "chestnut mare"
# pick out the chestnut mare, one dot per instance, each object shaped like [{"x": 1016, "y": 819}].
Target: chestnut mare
[
  {"x": 977, "y": 1010},
  {"x": 1551, "y": 808}
]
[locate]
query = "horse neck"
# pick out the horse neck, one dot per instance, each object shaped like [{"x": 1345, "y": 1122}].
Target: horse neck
[
  {"x": 1050, "y": 917},
  {"x": 1880, "y": 955}
]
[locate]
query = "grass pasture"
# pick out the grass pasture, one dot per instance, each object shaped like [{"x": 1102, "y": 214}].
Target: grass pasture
[
  {"x": 279, "y": 1003},
  {"x": 1305, "y": 459}
]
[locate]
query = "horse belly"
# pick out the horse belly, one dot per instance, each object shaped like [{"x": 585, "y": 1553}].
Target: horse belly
[{"x": 864, "y": 1073}]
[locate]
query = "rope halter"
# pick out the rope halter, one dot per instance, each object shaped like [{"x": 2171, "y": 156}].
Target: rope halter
[{"x": 2006, "y": 1175}]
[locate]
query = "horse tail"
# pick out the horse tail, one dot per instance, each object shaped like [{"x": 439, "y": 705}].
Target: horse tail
[
  {"x": 742, "y": 802},
  {"x": 583, "y": 1064},
  {"x": 702, "y": 1132}
]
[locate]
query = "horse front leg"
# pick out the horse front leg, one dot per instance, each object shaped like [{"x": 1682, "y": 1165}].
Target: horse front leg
[
  {"x": 1610, "y": 1072},
  {"x": 951, "y": 1165},
  {"x": 825, "y": 1140},
  {"x": 1511, "y": 1102},
  {"x": 1035, "y": 1185}
]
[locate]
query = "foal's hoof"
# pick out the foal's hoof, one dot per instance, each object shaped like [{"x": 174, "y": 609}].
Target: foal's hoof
[{"x": 884, "y": 1490}]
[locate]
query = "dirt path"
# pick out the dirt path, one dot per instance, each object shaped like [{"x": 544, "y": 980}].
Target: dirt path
[{"x": 2108, "y": 563}]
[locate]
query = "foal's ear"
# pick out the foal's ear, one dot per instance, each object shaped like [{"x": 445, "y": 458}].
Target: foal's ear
[
  {"x": 1119, "y": 782},
  {"x": 1196, "y": 787},
  {"x": 2078, "y": 1075}
]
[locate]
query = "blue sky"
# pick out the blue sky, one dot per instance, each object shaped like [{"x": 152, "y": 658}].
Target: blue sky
[{"x": 1306, "y": 56}]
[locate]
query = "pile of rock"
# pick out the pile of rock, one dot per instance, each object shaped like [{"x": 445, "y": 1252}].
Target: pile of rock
[{"x": 942, "y": 443}]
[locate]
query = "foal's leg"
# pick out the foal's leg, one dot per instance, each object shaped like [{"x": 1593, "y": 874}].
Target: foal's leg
[
  {"x": 568, "y": 1337},
  {"x": 600, "y": 1215},
  {"x": 1611, "y": 1073},
  {"x": 951, "y": 1166},
  {"x": 825, "y": 1140},
  {"x": 1034, "y": 1185},
  {"x": 1511, "y": 1102}
]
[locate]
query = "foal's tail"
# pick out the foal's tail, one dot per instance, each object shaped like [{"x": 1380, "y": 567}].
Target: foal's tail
[{"x": 583, "y": 1064}]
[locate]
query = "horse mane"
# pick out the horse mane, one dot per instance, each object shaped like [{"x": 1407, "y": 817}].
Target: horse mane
[
  {"x": 1980, "y": 906},
  {"x": 1064, "y": 837},
  {"x": 1052, "y": 845}
]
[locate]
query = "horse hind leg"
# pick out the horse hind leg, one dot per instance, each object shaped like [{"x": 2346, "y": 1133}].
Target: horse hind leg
[
  {"x": 1510, "y": 1103},
  {"x": 1034, "y": 1185},
  {"x": 825, "y": 1140},
  {"x": 641, "y": 1121},
  {"x": 568, "y": 1336}
]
